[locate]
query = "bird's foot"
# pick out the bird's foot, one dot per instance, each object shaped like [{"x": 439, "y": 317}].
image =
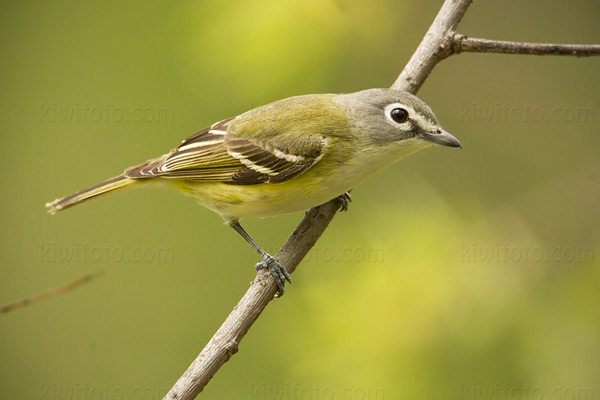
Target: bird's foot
[
  {"x": 277, "y": 271},
  {"x": 344, "y": 200}
]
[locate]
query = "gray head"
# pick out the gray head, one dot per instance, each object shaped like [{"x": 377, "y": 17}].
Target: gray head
[{"x": 390, "y": 116}]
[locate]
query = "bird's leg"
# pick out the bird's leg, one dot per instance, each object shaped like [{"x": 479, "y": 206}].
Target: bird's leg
[
  {"x": 344, "y": 200},
  {"x": 269, "y": 262}
]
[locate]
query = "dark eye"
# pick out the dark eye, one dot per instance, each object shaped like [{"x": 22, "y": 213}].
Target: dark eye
[{"x": 399, "y": 115}]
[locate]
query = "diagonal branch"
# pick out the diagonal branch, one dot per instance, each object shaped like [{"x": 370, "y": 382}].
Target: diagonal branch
[
  {"x": 439, "y": 42},
  {"x": 461, "y": 43},
  {"x": 435, "y": 46},
  {"x": 50, "y": 293},
  {"x": 225, "y": 341}
]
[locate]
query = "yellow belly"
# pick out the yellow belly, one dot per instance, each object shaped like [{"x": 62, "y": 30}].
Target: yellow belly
[
  {"x": 233, "y": 202},
  {"x": 316, "y": 186}
]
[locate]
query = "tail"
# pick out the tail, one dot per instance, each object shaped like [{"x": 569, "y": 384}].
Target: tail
[{"x": 112, "y": 185}]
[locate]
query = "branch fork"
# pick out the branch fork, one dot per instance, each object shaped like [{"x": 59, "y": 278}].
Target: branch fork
[{"x": 440, "y": 42}]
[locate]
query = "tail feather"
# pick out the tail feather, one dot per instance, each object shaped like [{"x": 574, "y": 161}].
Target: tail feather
[{"x": 115, "y": 184}]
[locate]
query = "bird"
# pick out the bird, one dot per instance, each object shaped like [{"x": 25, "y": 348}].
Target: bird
[{"x": 289, "y": 155}]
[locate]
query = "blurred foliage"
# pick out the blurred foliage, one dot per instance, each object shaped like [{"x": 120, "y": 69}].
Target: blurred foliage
[{"x": 456, "y": 274}]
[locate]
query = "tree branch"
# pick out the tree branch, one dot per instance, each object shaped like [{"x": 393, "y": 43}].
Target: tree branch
[
  {"x": 50, "y": 293},
  {"x": 225, "y": 341},
  {"x": 461, "y": 43},
  {"x": 435, "y": 46},
  {"x": 439, "y": 42}
]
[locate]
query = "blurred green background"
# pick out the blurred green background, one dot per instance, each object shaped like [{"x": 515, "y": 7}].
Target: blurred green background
[{"x": 455, "y": 275}]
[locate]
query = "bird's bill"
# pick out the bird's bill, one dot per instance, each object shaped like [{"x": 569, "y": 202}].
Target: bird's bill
[{"x": 442, "y": 137}]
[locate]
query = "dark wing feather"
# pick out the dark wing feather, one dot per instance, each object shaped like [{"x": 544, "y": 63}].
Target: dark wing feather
[
  {"x": 215, "y": 154},
  {"x": 270, "y": 161},
  {"x": 220, "y": 126}
]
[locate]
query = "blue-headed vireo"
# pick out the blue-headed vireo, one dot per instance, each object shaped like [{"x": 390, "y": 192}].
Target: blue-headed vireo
[{"x": 286, "y": 156}]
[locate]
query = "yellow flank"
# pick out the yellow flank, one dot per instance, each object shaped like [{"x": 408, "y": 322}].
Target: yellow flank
[
  {"x": 262, "y": 200},
  {"x": 318, "y": 185}
]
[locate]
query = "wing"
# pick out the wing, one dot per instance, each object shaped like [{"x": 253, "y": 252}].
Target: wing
[{"x": 216, "y": 154}]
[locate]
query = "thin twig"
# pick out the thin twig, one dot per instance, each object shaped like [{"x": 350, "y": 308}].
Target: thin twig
[
  {"x": 225, "y": 341},
  {"x": 461, "y": 43},
  {"x": 50, "y": 293}
]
